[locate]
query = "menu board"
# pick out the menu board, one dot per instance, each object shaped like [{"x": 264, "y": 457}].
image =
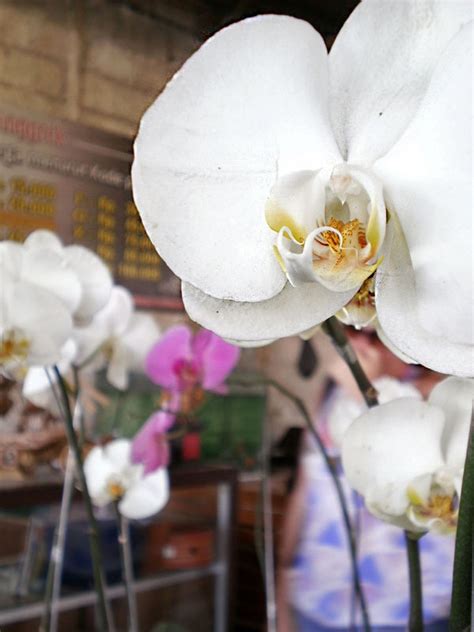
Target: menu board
[{"x": 76, "y": 181}]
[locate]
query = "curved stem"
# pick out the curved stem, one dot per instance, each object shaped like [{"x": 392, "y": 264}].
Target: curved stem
[
  {"x": 105, "y": 619},
  {"x": 462, "y": 599},
  {"x": 127, "y": 569},
  {"x": 341, "y": 496},
  {"x": 336, "y": 332},
  {"x": 415, "y": 622},
  {"x": 337, "y": 484}
]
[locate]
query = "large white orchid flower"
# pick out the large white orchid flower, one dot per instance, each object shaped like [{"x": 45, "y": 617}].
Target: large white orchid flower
[
  {"x": 275, "y": 179},
  {"x": 118, "y": 338},
  {"x": 406, "y": 457},
  {"x": 112, "y": 477}
]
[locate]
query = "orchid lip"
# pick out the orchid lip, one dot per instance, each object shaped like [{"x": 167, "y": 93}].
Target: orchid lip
[{"x": 330, "y": 226}]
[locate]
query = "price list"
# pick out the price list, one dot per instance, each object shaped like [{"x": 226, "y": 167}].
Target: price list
[{"x": 76, "y": 182}]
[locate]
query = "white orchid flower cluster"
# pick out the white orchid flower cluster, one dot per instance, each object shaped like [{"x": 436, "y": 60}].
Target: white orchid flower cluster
[
  {"x": 112, "y": 477},
  {"x": 283, "y": 184},
  {"x": 58, "y": 305},
  {"x": 48, "y": 290},
  {"x": 406, "y": 456}
]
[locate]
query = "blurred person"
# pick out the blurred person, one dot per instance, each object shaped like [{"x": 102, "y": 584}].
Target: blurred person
[{"x": 314, "y": 579}]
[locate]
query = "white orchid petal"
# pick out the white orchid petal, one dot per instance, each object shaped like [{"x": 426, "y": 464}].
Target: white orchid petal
[
  {"x": 296, "y": 201},
  {"x": 39, "y": 315},
  {"x": 419, "y": 489},
  {"x": 117, "y": 369},
  {"x": 141, "y": 334},
  {"x": 110, "y": 322},
  {"x": 287, "y": 314},
  {"x": 37, "y": 389},
  {"x": 98, "y": 469},
  {"x": 43, "y": 240},
  {"x": 380, "y": 67},
  {"x": 147, "y": 497},
  {"x": 248, "y": 107},
  {"x": 389, "y": 446},
  {"x": 428, "y": 183},
  {"x": 345, "y": 409},
  {"x": 95, "y": 280},
  {"x": 37, "y": 386},
  {"x": 249, "y": 344},
  {"x": 402, "y": 521},
  {"x": 455, "y": 397},
  {"x": 396, "y": 299},
  {"x": 118, "y": 452},
  {"x": 116, "y": 314},
  {"x": 391, "y": 347},
  {"x": 47, "y": 268},
  {"x": 11, "y": 258}
]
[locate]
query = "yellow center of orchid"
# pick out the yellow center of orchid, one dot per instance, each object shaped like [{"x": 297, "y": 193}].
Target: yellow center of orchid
[
  {"x": 330, "y": 228},
  {"x": 115, "y": 490},
  {"x": 14, "y": 347},
  {"x": 360, "y": 311},
  {"x": 440, "y": 507}
]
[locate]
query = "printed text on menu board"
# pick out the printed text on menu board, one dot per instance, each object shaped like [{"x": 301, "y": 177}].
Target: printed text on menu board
[{"x": 76, "y": 181}]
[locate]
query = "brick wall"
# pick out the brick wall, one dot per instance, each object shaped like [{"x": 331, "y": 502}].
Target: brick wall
[{"x": 95, "y": 62}]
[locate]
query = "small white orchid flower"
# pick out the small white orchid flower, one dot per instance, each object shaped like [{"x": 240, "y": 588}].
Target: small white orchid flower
[
  {"x": 34, "y": 322},
  {"x": 274, "y": 179},
  {"x": 406, "y": 457},
  {"x": 345, "y": 409},
  {"x": 118, "y": 337},
  {"x": 112, "y": 477}
]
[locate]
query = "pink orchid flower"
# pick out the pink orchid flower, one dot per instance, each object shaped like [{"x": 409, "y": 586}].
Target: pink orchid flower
[
  {"x": 180, "y": 361},
  {"x": 150, "y": 446}
]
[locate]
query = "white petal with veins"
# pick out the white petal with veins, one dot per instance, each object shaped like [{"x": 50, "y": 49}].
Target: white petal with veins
[
  {"x": 248, "y": 107},
  {"x": 292, "y": 311},
  {"x": 428, "y": 184},
  {"x": 380, "y": 68}
]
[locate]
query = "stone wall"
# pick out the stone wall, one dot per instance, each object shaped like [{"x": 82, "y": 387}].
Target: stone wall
[{"x": 94, "y": 62}]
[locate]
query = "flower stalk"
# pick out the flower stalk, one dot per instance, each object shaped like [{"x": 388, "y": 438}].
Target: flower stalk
[
  {"x": 337, "y": 484},
  {"x": 105, "y": 617},
  {"x": 336, "y": 332},
  {"x": 462, "y": 600},
  {"x": 53, "y": 582},
  {"x": 127, "y": 568},
  {"x": 415, "y": 621}
]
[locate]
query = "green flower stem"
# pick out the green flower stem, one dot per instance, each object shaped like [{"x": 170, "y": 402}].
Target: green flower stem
[
  {"x": 462, "y": 600},
  {"x": 415, "y": 622},
  {"x": 337, "y": 484},
  {"x": 53, "y": 581},
  {"x": 127, "y": 569},
  {"x": 105, "y": 617},
  {"x": 336, "y": 332}
]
